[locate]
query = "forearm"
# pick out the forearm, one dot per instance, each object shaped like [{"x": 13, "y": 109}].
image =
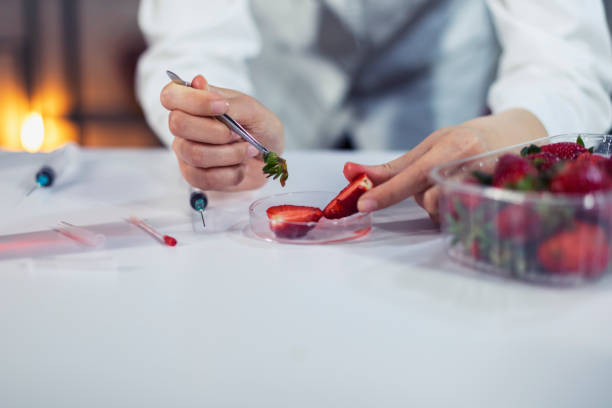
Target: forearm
[{"x": 507, "y": 128}]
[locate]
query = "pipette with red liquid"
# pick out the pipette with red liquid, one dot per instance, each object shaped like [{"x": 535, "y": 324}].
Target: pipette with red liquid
[{"x": 164, "y": 239}]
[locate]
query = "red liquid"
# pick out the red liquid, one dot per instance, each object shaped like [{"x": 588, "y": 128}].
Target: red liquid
[{"x": 169, "y": 240}]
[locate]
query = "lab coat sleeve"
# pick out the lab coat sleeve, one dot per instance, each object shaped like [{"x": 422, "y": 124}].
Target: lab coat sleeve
[
  {"x": 210, "y": 37},
  {"x": 556, "y": 62}
]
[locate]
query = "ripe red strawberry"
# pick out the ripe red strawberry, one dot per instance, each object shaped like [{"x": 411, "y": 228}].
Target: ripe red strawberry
[
  {"x": 470, "y": 201},
  {"x": 543, "y": 160},
  {"x": 580, "y": 177},
  {"x": 475, "y": 250},
  {"x": 292, "y": 221},
  {"x": 565, "y": 150},
  {"x": 512, "y": 171},
  {"x": 518, "y": 223},
  {"x": 607, "y": 165},
  {"x": 591, "y": 158},
  {"x": 345, "y": 203},
  {"x": 583, "y": 249}
]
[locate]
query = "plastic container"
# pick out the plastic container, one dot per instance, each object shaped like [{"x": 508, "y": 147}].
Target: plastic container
[
  {"x": 509, "y": 232},
  {"x": 323, "y": 232}
]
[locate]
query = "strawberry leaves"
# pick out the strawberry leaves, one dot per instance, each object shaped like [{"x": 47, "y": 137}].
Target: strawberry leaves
[{"x": 275, "y": 167}]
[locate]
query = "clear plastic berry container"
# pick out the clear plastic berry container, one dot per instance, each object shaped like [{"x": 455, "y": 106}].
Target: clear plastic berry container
[
  {"x": 322, "y": 232},
  {"x": 543, "y": 237}
]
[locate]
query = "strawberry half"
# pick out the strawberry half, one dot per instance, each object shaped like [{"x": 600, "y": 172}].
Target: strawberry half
[
  {"x": 345, "y": 203},
  {"x": 293, "y": 221}
]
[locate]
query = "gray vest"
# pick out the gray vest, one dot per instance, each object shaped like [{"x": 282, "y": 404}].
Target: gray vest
[{"x": 385, "y": 72}]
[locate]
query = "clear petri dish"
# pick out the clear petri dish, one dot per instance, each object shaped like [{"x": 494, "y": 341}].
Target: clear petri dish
[{"x": 323, "y": 232}]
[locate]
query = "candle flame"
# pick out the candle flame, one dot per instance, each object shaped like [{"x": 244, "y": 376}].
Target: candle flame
[{"x": 33, "y": 132}]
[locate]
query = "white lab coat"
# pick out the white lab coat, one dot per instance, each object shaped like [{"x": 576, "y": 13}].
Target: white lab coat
[{"x": 317, "y": 63}]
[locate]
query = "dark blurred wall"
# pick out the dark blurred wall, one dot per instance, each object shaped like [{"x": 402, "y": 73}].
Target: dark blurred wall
[{"x": 76, "y": 59}]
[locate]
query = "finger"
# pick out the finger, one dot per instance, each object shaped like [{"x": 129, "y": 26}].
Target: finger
[
  {"x": 208, "y": 156},
  {"x": 193, "y": 101},
  {"x": 415, "y": 177},
  {"x": 256, "y": 119},
  {"x": 431, "y": 203},
  {"x": 383, "y": 172},
  {"x": 224, "y": 92},
  {"x": 218, "y": 178},
  {"x": 407, "y": 183},
  {"x": 199, "y": 82},
  {"x": 245, "y": 110},
  {"x": 377, "y": 173},
  {"x": 420, "y": 199},
  {"x": 200, "y": 129}
]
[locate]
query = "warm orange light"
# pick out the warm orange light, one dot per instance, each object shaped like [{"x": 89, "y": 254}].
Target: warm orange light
[{"x": 32, "y": 132}]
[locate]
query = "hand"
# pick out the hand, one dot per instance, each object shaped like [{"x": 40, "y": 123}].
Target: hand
[
  {"x": 211, "y": 156},
  {"x": 408, "y": 175}
]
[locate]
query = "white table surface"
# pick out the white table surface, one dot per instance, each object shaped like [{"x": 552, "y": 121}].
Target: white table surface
[{"x": 227, "y": 320}]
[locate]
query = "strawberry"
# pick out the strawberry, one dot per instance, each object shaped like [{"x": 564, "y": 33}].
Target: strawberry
[
  {"x": 543, "y": 161},
  {"x": 469, "y": 202},
  {"x": 345, "y": 203},
  {"x": 475, "y": 250},
  {"x": 514, "y": 172},
  {"x": 565, "y": 150},
  {"x": 583, "y": 249},
  {"x": 591, "y": 158},
  {"x": 292, "y": 221},
  {"x": 607, "y": 165},
  {"x": 580, "y": 177},
  {"x": 518, "y": 223},
  {"x": 463, "y": 201}
]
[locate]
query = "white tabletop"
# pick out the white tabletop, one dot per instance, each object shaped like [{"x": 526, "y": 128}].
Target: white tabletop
[{"x": 227, "y": 320}]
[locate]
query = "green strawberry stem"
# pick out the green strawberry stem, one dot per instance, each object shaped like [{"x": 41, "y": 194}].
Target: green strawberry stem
[
  {"x": 275, "y": 167},
  {"x": 580, "y": 141},
  {"x": 531, "y": 149},
  {"x": 483, "y": 178}
]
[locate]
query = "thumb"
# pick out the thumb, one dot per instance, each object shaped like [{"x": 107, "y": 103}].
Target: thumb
[{"x": 199, "y": 82}]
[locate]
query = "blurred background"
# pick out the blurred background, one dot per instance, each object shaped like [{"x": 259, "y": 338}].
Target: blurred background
[
  {"x": 67, "y": 74},
  {"x": 67, "y": 69}
]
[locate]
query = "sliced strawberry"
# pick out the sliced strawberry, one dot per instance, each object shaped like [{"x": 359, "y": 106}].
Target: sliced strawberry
[
  {"x": 565, "y": 150},
  {"x": 345, "y": 203},
  {"x": 293, "y": 221},
  {"x": 514, "y": 172},
  {"x": 581, "y": 177},
  {"x": 583, "y": 249}
]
